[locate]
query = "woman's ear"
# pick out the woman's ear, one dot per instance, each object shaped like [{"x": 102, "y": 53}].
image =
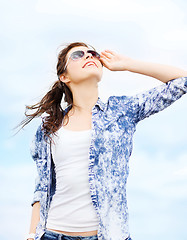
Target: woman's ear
[
  {"x": 61, "y": 78},
  {"x": 64, "y": 79}
]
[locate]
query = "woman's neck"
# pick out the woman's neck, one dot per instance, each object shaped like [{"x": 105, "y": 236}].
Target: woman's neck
[{"x": 85, "y": 98}]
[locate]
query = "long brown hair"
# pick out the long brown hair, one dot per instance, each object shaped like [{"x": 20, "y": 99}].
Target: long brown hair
[{"x": 51, "y": 102}]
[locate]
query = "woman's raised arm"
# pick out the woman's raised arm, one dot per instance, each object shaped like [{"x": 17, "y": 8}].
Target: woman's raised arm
[{"x": 117, "y": 62}]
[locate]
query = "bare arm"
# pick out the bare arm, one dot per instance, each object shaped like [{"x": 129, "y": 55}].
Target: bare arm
[
  {"x": 35, "y": 218},
  {"x": 164, "y": 73}
]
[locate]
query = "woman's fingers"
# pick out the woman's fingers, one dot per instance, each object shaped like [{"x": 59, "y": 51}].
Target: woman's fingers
[
  {"x": 105, "y": 55},
  {"x": 108, "y": 53},
  {"x": 105, "y": 62},
  {"x": 108, "y": 58},
  {"x": 113, "y": 61}
]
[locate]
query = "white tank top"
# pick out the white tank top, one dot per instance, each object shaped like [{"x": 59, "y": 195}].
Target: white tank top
[{"x": 71, "y": 208}]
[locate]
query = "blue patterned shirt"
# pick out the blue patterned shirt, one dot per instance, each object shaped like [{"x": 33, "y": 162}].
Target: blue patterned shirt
[{"x": 113, "y": 126}]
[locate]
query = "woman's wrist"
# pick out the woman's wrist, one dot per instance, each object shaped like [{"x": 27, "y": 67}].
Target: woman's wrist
[
  {"x": 134, "y": 65},
  {"x": 129, "y": 64},
  {"x": 30, "y": 236}
]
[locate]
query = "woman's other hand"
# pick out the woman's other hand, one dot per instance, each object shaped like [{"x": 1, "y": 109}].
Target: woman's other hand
[{"x": 114, "y": 61}]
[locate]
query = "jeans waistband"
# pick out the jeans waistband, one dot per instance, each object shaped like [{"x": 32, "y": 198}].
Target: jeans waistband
[{"x": 60, "y": 236}]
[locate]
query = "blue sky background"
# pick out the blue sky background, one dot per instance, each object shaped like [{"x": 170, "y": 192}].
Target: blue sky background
[{"x": 31, "y": 33}]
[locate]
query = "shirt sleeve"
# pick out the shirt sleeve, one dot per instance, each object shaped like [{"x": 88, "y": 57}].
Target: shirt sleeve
[
  {"x": 37, "y": 191},
  {"x": 35, "y": 153},
  {"x": 158, "y": 98}
]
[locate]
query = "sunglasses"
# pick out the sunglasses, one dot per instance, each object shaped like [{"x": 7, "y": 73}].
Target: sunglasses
[{"x": 80, "y": 54}]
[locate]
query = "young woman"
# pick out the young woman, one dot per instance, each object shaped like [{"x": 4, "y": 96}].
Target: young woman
[{"x": 82, "y": 152}]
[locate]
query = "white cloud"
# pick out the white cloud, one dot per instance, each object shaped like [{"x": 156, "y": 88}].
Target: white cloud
[
  {"x": 110, "y": 10},
  {"x": 162, "y": 22},
  {"x": 176, "y": 34},
  {"x": 181, "y": 172}
]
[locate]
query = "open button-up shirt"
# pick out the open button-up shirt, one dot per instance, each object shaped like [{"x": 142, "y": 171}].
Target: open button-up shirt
[{"x": 113, "y": 126}]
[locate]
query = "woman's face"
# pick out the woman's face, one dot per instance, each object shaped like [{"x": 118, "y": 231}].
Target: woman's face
[{"x": 83, "y": 69}]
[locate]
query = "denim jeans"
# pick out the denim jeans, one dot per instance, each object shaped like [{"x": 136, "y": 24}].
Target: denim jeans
[{"x": 49, "y": 235}]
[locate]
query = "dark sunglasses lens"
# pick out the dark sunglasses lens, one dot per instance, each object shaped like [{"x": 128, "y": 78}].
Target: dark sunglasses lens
[
  {"x": 94, "y": 53},
  {"x": 77, "y": 55}
]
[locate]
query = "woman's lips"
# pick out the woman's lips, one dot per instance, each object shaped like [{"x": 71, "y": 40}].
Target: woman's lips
[{"x": 91, "y": 63}]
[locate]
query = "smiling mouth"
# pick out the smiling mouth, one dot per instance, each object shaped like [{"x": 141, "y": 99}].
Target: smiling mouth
[{"x": 90, "y": 64}]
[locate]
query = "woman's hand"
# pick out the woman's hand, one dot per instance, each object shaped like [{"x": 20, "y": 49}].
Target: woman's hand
[{"x": 114, "y": 61}]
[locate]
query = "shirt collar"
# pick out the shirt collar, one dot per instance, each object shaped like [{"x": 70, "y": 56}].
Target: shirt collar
[{"x": 100, "y": 104}]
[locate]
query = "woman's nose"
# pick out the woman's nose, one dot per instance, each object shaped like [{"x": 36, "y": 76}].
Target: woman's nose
[{"x": 88, "y": 55}]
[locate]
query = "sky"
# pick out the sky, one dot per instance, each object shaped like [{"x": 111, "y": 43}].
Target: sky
[{"x": 32, "y": 33}]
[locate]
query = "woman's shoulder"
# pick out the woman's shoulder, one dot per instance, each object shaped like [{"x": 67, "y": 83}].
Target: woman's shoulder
[{"x": 118, "y": 100}]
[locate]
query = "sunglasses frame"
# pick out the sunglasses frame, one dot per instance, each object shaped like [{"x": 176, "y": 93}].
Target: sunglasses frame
[{"x": 88, "y": 51}]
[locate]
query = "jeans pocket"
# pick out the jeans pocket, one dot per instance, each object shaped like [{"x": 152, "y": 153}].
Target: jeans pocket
[{"x": 48, "y": 236}]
